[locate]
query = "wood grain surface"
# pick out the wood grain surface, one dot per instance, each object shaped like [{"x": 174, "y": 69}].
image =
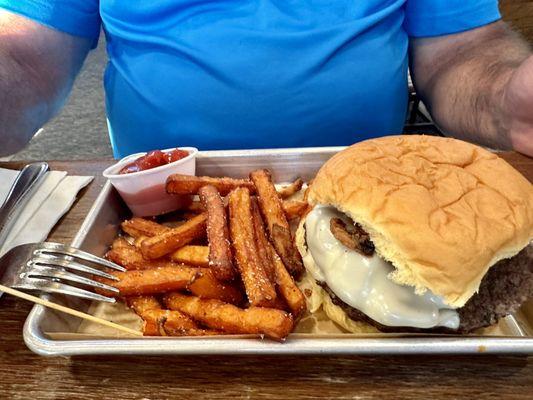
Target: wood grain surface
[
  {"x": 519, "y": 13},
  {"x": 24, "y": 375}
]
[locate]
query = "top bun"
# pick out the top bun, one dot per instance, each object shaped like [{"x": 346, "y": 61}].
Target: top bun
[{"x": 441, "y": 210}]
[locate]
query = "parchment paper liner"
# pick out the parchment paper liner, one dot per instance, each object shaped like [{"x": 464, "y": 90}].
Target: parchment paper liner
[{"x": 316, "y": 325}]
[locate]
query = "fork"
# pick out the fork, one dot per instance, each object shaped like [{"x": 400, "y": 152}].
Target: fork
[{"x": 54, "y": 268}]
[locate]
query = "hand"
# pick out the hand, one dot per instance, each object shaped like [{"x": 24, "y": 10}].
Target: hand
[{"x": 518, "y": 108}]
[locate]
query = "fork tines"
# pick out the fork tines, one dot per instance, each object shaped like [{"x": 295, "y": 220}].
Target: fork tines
[
  {"x": 52, "y": 269},
  {"x": 58, "y": 248}
]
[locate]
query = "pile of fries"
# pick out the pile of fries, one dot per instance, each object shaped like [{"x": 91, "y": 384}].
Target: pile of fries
[{"x": 228, "y": 267}]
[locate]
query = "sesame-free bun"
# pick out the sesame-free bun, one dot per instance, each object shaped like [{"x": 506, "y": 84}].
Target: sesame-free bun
[{"x": 441, "y": 210}]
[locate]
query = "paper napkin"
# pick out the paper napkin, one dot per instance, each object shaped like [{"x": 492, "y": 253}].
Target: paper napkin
[{"x": 48, "y": 204}]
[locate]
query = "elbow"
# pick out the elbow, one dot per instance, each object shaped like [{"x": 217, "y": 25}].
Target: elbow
[
  {"x": 20, "y": 122},
  {"x": 14, "y": 137},
  {"x": 11, "y": 145}
]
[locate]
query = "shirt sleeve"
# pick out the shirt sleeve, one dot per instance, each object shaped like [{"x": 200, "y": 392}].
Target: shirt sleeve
[
  {"x": 75, "y": 17},
  {"x": 442, "y": 17}
]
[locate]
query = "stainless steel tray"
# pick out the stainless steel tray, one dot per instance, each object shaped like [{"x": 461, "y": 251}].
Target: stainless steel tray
[{"x": 102, "y": 224}]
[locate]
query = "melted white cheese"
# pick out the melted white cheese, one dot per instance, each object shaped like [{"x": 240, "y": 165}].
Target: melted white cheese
[{"x": 362, "y": 282}]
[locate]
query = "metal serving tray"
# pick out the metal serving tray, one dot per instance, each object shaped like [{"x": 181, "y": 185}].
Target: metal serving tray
[{"x": 102, "y": 224}]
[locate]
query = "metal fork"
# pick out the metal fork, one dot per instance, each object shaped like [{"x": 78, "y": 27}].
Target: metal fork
[{"x": 54, "y": 268}]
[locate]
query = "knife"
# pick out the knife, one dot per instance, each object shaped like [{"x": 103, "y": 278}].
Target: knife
[{"x": 26, "y": 184}]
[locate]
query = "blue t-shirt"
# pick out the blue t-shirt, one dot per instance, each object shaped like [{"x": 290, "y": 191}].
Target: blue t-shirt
[{"x": 233, "y": 74}]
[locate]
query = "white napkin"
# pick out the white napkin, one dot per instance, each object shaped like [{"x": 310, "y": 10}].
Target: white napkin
[{"x": 52, "y": 200}]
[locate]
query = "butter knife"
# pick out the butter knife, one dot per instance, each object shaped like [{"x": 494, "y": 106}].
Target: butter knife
[{"x": 26, "y": 184}]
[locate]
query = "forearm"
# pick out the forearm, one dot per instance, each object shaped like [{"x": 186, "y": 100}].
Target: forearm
[
  {"x": 37, "y": 68},
  {"x": 26, "y": 102},
  {"x": 464, "y": 83}
]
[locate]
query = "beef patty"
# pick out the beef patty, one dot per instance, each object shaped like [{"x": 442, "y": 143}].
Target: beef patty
[{"x": 503, "y": 289}]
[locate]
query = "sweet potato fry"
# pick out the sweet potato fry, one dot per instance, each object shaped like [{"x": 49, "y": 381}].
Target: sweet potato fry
[
  {"x": 261, "y": 242},
  {"x": 120, "y": 242},
  {"x": 208, "y": 287},
  {"x": 159, "y": 322},
  {"x": 281, "y": 238},
  {"x": 152, "y": 281},
  {"x": 286, "y": 287},
  {"x": 171, "y": 240},
  {"x": 136, "y": 227},
  {"x": 138, "y": 241},
  {"x": 220, "y": 258},
  {"x": 294, "y": 209},
  {"x": 278, "y": 226},
  {"x": 196, "y": 207},
  {"x": 131, "y": 258},
  {"x": 141, "y": 305},
  {"x": 177, "y": 323},
  {"x": 291, "y": 189},
  {"x": 186, "y": 184},
  {"x": 218, "y": 315},
  {"x": 191, "y": 255},
  {"x": 259, "y": 289}
]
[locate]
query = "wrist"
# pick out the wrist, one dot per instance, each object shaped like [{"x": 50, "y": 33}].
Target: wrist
[{"x": 515, "y": 102}]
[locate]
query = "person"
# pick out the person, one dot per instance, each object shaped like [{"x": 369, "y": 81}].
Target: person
[{"x": 228, "y": 74}]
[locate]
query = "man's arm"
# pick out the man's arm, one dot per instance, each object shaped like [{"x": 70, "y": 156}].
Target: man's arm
[
  {"x": 37, "y": 69},
  {"x": 478, "y": 85}
]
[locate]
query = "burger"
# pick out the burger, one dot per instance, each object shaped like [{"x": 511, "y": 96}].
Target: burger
[{"x": 418, "y": 233}]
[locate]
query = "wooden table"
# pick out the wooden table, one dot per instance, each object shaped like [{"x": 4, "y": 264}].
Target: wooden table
[
  {"x": 24, "y": 375},
  {"x": 519, "y": 13}
]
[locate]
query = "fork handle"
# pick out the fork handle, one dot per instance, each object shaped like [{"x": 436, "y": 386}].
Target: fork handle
[{"x": 25, "y": 185}]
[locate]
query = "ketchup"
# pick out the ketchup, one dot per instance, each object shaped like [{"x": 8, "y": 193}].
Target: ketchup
[{"x": 153, "y": 159}]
